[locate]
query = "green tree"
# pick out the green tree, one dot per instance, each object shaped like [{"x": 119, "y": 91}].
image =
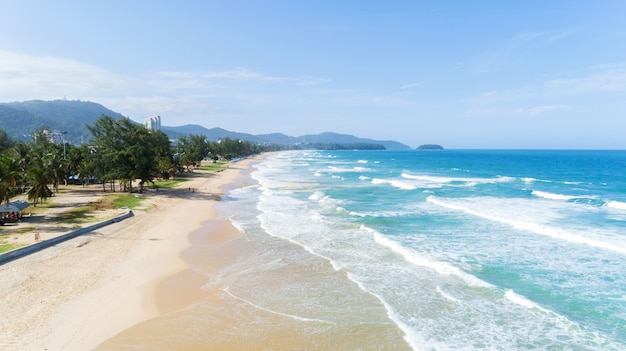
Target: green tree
[
  {"x": 234, "y": 148},
  {"x": 164, "y": 158},
  {"x": 103, "y": 154},
  {"x": 40, "y": 178},
  {"x": 127, "y": 151},
  {"x": 11, "y": 175},
  {"x": 192, "y": 149},
  {"x": 5, "y": 141}
]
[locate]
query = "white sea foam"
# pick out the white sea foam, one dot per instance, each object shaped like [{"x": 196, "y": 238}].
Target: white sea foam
[
  {"x": 326, "y": 201},
  {"x": 310, "y": 250},
  {"x": 411, "y": 182},
  {"x": 431, "y": 179},
  {"x": 361, "y": 161},
  {"x": 237, "y": 225},
  {"x": 414, "y": 258},
  {"x": 590, "y": 200},
  {"x": 385, "y": 213},
  {"x": 617, "y": 204},
  {"x": 395, "y": 183},
  {"x": 533, "y": 227},
  {"x": 552, "y": 196},
  {"x": 317, "y": 196},
  {"x": 447, "y": 295},
  {"x": 427, "y": 180},
  {"x": 522, "y": 301},
  {"x": 335, "y": 169}
]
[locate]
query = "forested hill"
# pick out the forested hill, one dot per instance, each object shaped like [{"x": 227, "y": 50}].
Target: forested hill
[
  {"x": 316, "y": 141},
  {"x": 20, "y": 119}
]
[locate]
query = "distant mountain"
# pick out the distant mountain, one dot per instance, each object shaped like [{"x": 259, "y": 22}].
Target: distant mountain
[
  {"x": 334, "y": 138},
  {"x": 20, "y": 119},
  {"x": 215, "y": 134},
  {"x": 19, "y": 124}
]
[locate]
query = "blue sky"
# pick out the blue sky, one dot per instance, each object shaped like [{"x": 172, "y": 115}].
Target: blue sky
[{"x": 464, "y": 74}]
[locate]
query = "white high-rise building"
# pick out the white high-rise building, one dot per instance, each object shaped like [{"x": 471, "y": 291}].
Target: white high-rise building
[{"x": 153, "y": 123}]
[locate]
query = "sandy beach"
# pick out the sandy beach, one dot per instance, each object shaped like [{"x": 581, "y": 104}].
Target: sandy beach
[{"x": 78, "y": 294}]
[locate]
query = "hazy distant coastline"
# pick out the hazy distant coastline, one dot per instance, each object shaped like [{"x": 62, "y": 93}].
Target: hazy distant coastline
[{"x": 73, "y": 116}]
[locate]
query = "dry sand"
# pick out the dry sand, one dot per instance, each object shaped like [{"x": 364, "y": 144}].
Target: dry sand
[{"x": 80, "y": 293}]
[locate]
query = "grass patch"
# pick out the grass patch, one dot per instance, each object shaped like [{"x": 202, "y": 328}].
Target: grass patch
[
  {"x": 21, "y": 229},
  {"x": 125, "y": 200},
  {"x": 214, "y": 167},
  {"x": 84, "y": 214},
  {"x": 4, "y": 247},
  {"x": 7, "y": 246},
  {"x": 42, "y": 206},
  {"x": 77, "y": 215},
  {"x": 170, "y": 183}
]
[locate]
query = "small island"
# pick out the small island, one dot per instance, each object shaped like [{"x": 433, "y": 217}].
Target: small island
[{"x": 430, "y": 147}]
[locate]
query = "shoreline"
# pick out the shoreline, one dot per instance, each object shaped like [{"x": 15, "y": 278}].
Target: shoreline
[
  {"x": 79, "y": 293},
  {"x": 246, "y": 289}
]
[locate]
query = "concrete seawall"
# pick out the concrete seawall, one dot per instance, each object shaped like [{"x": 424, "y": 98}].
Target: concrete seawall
[{"x": 32, "y": 248}]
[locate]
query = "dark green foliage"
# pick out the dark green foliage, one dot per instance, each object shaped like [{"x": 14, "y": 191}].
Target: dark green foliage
[
  {"x": 127, "y": 151},
  {"x": 234, "y": 148},
  {"x": 40, "y": 178},
  {"x": 191, "y": 150},
  {"x": 5, "y": 141},
  {"x": 19, "y": 124},
  {"x": 21, "y": 119},
  {"x": 430, "y": 147}
]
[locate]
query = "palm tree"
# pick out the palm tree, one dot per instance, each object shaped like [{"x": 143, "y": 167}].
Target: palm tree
[
  {"x": 4, "y": 183},
  {"x": 10, "y": 176},
  {"x": 40, "y": 177},
  {"x": 56, "y": 167}
]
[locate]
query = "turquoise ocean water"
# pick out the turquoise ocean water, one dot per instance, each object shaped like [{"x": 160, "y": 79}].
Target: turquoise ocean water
[{"x": 464, "y": 249}]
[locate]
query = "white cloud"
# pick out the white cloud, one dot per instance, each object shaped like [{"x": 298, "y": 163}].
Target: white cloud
[
  {"x": 183, "y": 94},
  {"x": 27, "y": 77}
]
